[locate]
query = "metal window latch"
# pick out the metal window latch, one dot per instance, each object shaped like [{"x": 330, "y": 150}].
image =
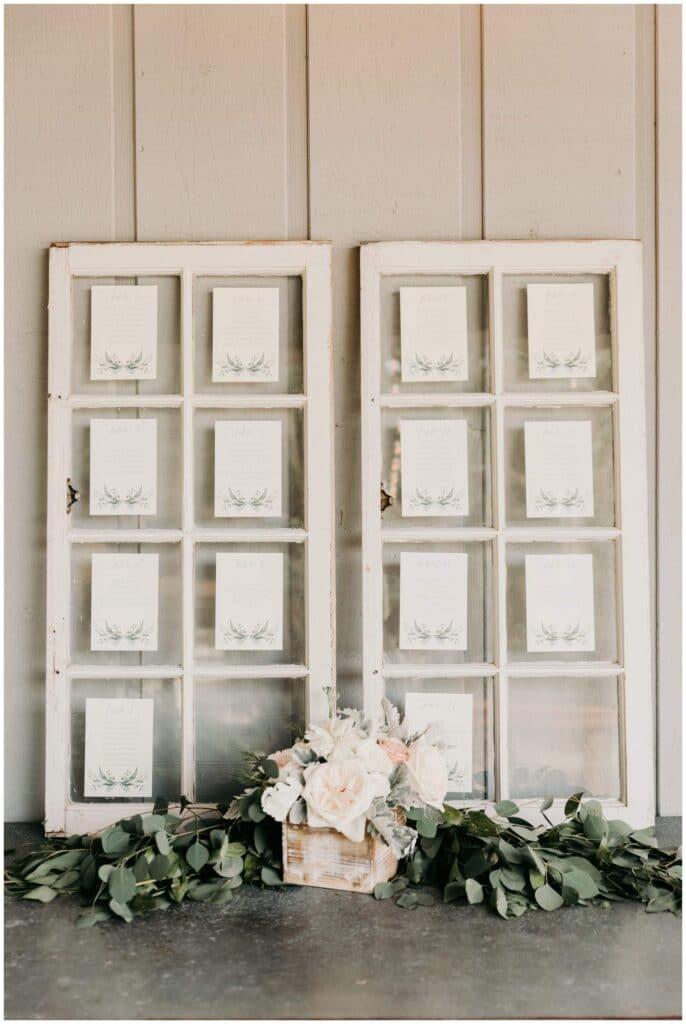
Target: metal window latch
[
  {"x": 72, "y": 495},
  {"x": 385, "y": 499}
]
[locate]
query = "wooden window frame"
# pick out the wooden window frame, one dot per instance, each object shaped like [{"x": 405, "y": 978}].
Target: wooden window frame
[
  {"x": 622, "y": 262},
  {"x": 312, "y": 262}
]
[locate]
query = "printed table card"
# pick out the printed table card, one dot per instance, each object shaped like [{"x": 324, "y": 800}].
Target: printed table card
[
  {"x": 559, "y": 468},
  {"x": 561, "y": 327},
  {"x": 450, "y": 717},
  {"x": 124, "y": 602},
  {"x": 434, "y": 467},
  {"x": 433, "y": 334},
  {"x": 118, "y": 759},
  {"x": 123, "y": 467},
  {"x": 245, "y": 334},
  {"x": 247, "y": 468},
  {"x": 559, "y": 603},
  {"x": 249, "y": 602},
  {"x": 123, "y": 332},
  {"x": 433, "y": 601}
]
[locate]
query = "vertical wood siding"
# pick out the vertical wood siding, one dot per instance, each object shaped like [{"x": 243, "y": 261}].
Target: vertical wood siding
[{"x": 352, "y": 124}]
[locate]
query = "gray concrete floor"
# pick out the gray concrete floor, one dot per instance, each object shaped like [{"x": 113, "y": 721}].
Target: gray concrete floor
[{"x": 313, "y": 953}]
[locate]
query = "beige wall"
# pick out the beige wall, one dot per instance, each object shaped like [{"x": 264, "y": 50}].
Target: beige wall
[{"x": 342, "y": 123}]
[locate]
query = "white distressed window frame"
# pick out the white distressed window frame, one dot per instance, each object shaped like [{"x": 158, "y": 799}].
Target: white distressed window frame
[
  {"x": 312, "y": 262},
  {"x": 622, "y": 261}
]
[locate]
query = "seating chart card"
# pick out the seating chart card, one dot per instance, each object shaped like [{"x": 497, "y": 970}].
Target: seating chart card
[
  {"x": 124, "y": 602},
  {"x": 559, "y": 468},
  {"x": 245, "y": 334},
  {"x": 123, "y": 332},
  {"x": 559, "y": 603},
  {"x": 249, "y": 602},
  {"x": 561, "y": 330},
  {"x": 247, "y": 468},
  {"x": 433, "y": 334},
  {"x": 119, "y": 747},
  {"x": 123, "y": 467},
  {"x": 434, "y": 467},
  {"x": 449, "y": 716},
  {"x": 433, "y": 601}
]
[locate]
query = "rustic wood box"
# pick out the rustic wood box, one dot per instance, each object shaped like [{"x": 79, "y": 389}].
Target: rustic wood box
[{"x": 325, "y": 858}]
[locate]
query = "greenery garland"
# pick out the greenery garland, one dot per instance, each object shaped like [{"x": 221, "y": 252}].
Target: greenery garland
[{"x": 206, "y": 853}]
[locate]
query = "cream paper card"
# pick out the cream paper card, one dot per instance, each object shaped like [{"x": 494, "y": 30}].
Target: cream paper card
[
  {"x": 433, "y": 334},
  {"x": 559, "y": 468},
  {"x": 434, "y": 467},
  {"x": 247, "y": 468},
  {"x": 561, "y": 328},
  {"x": 123, "y": 332},
  {"x": 449, "y": 717},
  {"x": 559, "y": 603},
  {"x": 124, "y": 602},
  {"x": 433, "y": 601},
  {"x": 245, "y": 334},
  {"x": 118, "y": 759},
  {"x": 249, "y": 602},
  {"x": 123, "y": 467}
]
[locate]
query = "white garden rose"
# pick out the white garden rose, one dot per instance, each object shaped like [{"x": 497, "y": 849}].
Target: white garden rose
[
  {"x": 427, "y": 773},
  {"x": 278, "y": 799},
  {"x": 288, "y": 763},
  {"x": 339, "y": 794}
]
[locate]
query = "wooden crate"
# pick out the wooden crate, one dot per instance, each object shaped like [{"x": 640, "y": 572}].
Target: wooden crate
[{"x": 325, "y": 858}]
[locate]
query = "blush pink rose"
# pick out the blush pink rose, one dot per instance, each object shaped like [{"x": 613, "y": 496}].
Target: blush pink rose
[{"x": 395, "y": 749}]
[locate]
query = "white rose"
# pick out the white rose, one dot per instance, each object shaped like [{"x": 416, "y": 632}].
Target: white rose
[
  {"x": 339, "y": 794},
  {"x": 287, "y": 763},
  {"x": 278, "y": 799},
  {"x": 427, "y": 774},
  {"x": 373, "y": 757}
]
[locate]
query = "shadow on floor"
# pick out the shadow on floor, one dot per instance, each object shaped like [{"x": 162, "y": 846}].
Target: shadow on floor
[{"x": 312, "y": 953}]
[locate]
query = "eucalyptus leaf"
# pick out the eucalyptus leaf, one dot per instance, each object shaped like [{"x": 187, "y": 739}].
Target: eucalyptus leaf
[
  {"x": 104, "y": 872},
  {"x": 506, "y": 808},
  {"x": 122, "y": 884},
  {"x": 94, "y": 915},
  {"x": 383, "y": 891},
  {"x": 121, "y": 910},
  {"x": 197, "y": 855},
  {"x": 455, "y": 891},
  {"x": 162, "y": 841},
  {"x": 474, "y": 891},
  {"x": 114, "y": 840},
  {"x": 548, "y": 898},
  {"x": 42, "y": 893},
  {"x": 407, "y": 900},
  {"x": 270, "y": 877}
]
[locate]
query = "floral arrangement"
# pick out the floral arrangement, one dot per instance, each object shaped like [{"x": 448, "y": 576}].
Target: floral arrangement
[{"x": 356, "y": 776}]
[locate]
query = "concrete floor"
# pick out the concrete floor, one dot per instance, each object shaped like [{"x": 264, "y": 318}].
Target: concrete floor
[{"x": 309, "y": 953}]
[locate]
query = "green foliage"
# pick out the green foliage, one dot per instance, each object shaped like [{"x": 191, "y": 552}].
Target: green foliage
[{"x": 150, "y": 862}]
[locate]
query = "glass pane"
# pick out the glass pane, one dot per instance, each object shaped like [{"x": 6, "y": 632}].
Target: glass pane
[
  {"x": 235, "y": 716},
  {"x": 553, "y": 359},
  {"x": 168, "y": 376},
  {"x": 292, "y": 467},
  {"x": 603, "y": 613},
  {"x": 294, "y": 618},
  {"x": 289, "y": 362},
  {"x": 169, "y": 612},
  {"x": 169, "y": 470},
  {"x": 466, "y": 496},
  {"x": 481, "y": 690},
  {"x": 478, "y": 635},
  {"x": 563, "y": 736},
  {"x": 477, "y": 369},
  {"x": 166, "y": 763},
  {"x": 564, "y": 487}
]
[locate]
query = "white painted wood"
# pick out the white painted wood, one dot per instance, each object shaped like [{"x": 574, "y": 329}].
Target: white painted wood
[
  {"x": 622, "y": 261},
  {"x": 394, "y": 152},
  {"x": 313, "y": 262},
  {"x": 669, "y": 408},
  {"x": 58, "y": 181}
]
